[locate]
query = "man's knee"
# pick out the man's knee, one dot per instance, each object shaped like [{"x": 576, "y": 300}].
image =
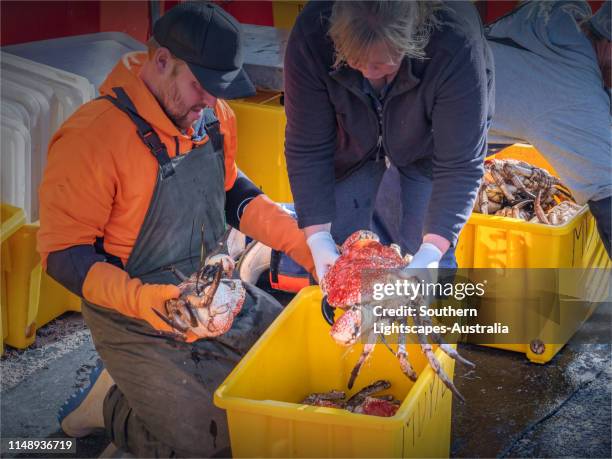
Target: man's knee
[{"x": 190, "y": 427}]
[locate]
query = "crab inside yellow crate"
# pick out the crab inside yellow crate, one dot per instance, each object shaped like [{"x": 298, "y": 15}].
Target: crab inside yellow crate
[
  {"x": 489, "y": 241},
  {"x": 30, "y": 298},
  {"x": 296, "y": 357}
]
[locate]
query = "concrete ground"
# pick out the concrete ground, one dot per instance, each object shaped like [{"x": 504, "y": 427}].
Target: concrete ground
[{"x": 514, "y": 408}]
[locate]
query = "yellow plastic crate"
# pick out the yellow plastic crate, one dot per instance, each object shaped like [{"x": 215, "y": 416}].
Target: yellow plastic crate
[
  {"x": 13, "y": 218},
  {"x": 295, "y": 357},
  {"x": 285, "y": 13},
  {"x": 261, "y": 143},
  {"x": 499, "y": 242},
  {"x": 30, "y": 297}
]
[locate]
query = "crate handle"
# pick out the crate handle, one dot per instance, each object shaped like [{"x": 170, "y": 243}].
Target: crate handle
[{"x": 34, "y": 295}]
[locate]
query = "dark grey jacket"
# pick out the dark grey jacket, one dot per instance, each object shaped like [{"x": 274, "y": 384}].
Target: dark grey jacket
[{"x": 435, "y": 116}]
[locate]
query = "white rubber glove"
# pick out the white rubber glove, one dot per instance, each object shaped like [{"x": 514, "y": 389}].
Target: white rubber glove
[
  {"x": 324, "y": 251},
  {"x": 428, "y": 256},
  {"x": 424, "y": 266}
]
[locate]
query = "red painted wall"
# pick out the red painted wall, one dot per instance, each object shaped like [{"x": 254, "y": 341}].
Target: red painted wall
[
  {"x": 250, "y": 12},
  {"x": 40, "y": 20},
  {"x": 23, "y": 21},
  {"x": 132, "y": 17}
]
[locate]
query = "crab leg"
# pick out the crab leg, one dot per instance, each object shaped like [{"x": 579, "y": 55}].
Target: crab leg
[
  {"x": 331, "y": 395},
  {"x": 516, "y": 209},
  {"x": 452, "y": 353},
  {"x": 360, "y": 396},
  {"x": 537, "y": 207},
  {"x": 179, "y": 275},
  {"x": 220, "y": 246},
  {"x": 367, "y": 350},
  {"x": 365, "y": 354},
  {"x": 500, "y": 182},
  {"x": 483, "y": 200},
  {"x": 193, "y": 318},
  {"x": 202, "y": 246},
  {"x": 433, "y": 362},
  {"x": 212, "y": 289},
  {"x": 386, "y": 344},
  {"x": 516, "y": 181},
  {"x": 402, "y": 355}
]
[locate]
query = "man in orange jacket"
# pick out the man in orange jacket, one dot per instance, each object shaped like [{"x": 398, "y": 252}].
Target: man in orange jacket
[{"x": 130, "y": 180}]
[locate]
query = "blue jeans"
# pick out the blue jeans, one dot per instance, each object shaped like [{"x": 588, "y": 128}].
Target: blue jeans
[{"x": 390, "y": 202}]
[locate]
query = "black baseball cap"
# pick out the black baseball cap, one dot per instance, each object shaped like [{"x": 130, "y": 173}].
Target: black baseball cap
[{"x": 210, "y": 40}]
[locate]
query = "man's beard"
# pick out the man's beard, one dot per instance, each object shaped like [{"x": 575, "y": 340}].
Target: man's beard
[{"x": 172, "y": 98}]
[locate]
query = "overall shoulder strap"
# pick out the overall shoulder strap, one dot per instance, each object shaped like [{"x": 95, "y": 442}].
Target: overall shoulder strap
[{"x": 145, "y": 131}]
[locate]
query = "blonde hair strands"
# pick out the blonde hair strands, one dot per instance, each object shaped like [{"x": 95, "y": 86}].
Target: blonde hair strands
[{"x": 403, "y": 26}]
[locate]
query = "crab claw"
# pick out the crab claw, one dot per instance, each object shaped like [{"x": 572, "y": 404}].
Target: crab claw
[
  {"x": 347, "y": 328},
  {"x": 173, "y": 320},
  {"x": 210, "y": 290},
  {"x": 226, "y": 262}
]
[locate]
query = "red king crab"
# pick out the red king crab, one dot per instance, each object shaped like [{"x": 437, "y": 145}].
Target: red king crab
[
  {"x": 363, "y": 402},
  {"x": 516, "y": 189},
  {"x": 209, "y": 300},
  {"x": 343, "y": 288}
]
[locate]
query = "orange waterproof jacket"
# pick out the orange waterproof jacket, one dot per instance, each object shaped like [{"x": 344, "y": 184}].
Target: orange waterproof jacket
[{"x": 100, "y": 176}]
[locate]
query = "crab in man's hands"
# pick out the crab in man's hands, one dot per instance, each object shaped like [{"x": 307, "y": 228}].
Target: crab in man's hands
[
  {"x": 209, "y": 300},
  {"x": 343, "y": 288}
]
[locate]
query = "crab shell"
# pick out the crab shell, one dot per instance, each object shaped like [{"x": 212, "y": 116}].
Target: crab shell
[
  {"x": 226, "y": 304},
  {"x": 361, "y": 252},
  {"x": 377, "y": 407},
  {"x": 215, "y": 319}
]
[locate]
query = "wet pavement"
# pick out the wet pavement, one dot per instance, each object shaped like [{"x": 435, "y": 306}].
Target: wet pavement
[
  {"x": 520, "y": 409},
  {"x": 514, "y": 408}
]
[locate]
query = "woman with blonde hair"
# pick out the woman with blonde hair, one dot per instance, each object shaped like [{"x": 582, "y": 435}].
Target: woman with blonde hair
[{"x": 375, "y": 82}]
